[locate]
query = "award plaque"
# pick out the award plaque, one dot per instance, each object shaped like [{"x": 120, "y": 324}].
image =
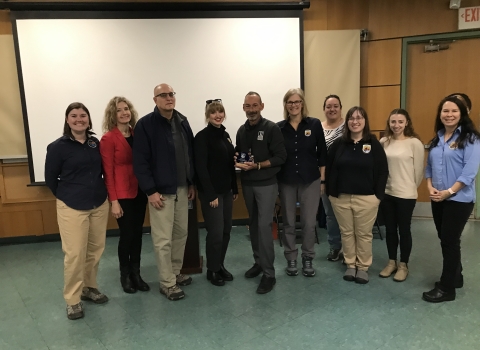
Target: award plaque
[{"x": 243, "y": 157}]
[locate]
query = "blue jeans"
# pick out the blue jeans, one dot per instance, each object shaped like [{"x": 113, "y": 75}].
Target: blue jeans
[{"x": 333, "y": 231}]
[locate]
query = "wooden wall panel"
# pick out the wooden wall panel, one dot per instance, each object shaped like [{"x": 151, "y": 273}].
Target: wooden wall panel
[
  {"x": 5, "y": 24},
  {"x": 379, "y": 102},
  {"x": 347, "y": 14},
  {"x": 394, "y": 19},
  {"x": 380, "y": 62},
  {"x": 49, "y": 216},
  {"x": 14, "y": 187},
  {"x": 22, "y": 223},
  {"x": 315, "y": 18}
]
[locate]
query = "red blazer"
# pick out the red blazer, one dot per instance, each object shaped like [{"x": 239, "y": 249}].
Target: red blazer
[{"x": 117, "y": 161}]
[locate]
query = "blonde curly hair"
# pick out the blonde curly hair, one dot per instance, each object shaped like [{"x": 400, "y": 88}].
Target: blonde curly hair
[{"x": 110, "y": 116}]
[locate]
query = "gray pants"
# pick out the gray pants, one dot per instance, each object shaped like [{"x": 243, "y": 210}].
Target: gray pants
[
  {"x": 218, "y": 222},
  {"x": 260, "y": 203},
  {"x": 308, "y": 195}
]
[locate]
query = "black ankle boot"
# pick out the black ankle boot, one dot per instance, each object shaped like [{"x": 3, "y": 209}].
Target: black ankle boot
[
  {"x": 227, "y": 276},
  {"x": 215, "y": 278},
  {"x": 125, "y": 280},
  {"x": 137, "y": 280}
]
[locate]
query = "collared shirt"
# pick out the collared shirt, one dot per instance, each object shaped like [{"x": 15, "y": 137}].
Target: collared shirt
[
  {"x": 448, "y": 164},
  {"x": 306, "y": 151},
  {"x": 73, "y": 172}
]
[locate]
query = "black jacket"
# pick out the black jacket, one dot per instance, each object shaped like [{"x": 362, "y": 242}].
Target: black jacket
[
  {"x": 380, "y": 170},
  {"x": 73, "y": 172},
  {"x": 214, "y": 165},
  {"x": 266, "y": 143},
  {"x": 154, "y": 161}
]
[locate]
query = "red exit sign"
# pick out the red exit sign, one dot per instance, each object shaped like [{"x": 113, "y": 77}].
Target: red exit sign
[{"x": 469, "y": 17}]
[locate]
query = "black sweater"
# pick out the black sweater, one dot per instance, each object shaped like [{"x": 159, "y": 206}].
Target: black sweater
[
  {"x": 214, "y": 165},
  {"x": 266, "y": 143},
  {"x": 371, "y": 169}
]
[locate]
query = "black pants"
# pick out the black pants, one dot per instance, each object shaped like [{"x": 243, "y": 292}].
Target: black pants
[
  {"x": 397, "y": 213},
  {"x": 131, "y": 224},
  {"x": 218, "y": 222},
  {"x": 450, "y": 218}
]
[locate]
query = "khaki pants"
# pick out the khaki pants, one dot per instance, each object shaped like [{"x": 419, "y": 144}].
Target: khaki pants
[
  {"x": 169, "y": 235},
  {"x": 356, "y": 215},
  {"x": 83, "y": 234}
]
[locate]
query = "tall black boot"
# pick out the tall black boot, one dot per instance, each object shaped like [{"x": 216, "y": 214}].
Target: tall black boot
[
  {"x": 125, "y": 280},
  {"x": 137, "y": 280}
]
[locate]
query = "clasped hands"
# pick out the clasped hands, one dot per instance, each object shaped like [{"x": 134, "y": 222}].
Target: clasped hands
[{"x": 438, "y": 196}]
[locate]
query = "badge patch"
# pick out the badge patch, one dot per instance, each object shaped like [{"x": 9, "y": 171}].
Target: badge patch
[
  {"x": 308, "y": 132},
  {"x": 91, "y": 143},
  {"x": 453, "y": 145},
  {"x": 366, "y": 148},
  {"x": 260, "y": 136}
]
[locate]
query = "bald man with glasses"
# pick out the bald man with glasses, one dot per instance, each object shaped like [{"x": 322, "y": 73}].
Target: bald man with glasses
[{"x": 163, "y": 164}]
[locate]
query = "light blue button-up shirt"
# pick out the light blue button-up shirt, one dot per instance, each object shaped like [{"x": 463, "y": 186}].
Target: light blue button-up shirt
[{"x": 448, "y": 164}]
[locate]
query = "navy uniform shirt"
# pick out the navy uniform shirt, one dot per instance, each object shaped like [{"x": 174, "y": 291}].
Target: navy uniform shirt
[
  {"x": 306, "y": 151},
  {"x": 73, "y": 172}
]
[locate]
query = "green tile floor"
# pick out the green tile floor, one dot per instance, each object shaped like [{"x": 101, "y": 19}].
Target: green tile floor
[{"x": 323, "y": 312}]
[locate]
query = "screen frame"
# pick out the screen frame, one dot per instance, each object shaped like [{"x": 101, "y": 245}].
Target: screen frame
[{"x": 26, "y": 15}]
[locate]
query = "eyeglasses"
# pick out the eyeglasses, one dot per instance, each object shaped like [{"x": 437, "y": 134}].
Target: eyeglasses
[
  {"x": 219, "y": 100},
  {"x": 165, "y": 94},
  {"x": 357, "y": 119},
  {"x": 296, "y": 103}
]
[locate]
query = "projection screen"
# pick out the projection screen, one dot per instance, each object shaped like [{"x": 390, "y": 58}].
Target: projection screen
[{"x": 90, "y": 60}]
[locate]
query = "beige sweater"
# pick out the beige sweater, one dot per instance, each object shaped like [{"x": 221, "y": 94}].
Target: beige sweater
[{"x": 405, "y": 166}]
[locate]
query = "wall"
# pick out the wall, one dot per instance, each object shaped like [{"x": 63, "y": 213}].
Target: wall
[{"x": 387, "y": 21}]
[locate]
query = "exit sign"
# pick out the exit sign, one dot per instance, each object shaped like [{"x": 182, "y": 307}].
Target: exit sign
[{"x": 469, "y": 17}]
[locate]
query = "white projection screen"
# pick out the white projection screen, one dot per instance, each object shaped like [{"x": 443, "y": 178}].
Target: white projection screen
[{"x": 90, "y": 60}]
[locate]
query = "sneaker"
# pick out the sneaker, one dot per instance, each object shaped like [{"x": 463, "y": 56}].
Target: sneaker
[
  {"x": 183, "y": 280},
  {"x": 93, "y": 294},
  {"x": 291, "y": 269},
  {"x": 307, "y": 269},
  {"x": 172, "y": 293},
  {"x": 334, "y": 255},
  {"x": 74, "y": 312}
]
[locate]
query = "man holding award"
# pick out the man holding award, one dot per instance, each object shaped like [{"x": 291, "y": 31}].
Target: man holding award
[{"x": 260, "y": 154}]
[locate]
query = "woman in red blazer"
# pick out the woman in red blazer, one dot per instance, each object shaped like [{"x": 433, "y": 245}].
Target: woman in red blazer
[{"x": 128, "y": 201}]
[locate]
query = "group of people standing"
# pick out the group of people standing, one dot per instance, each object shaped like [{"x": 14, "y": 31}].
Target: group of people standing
[{"x": 158, "y": 160}]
